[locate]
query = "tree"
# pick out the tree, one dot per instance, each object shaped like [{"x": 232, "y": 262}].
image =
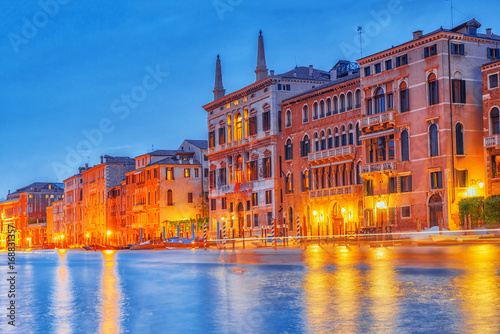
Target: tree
[
  {"x": 473, "y": 206},
  {"x": 492, "y": 210}
]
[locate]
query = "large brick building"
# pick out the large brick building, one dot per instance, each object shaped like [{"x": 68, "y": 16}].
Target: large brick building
[
  {"x": 491, "y": 126},
  {"x": 422, "y": 127},
  {"x": 321, "y": 153}
]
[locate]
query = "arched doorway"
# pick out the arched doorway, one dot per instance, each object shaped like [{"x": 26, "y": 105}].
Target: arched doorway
[
  {"x": 337, "y": 220},
  {"x": 435, "y": 210}
]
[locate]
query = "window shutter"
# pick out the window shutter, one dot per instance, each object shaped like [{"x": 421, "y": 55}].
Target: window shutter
[
  {"x": 466, "y": 177},
  {"x": 433, "y": 186},
  {"x": 426, "y": 52},
  {"x": 454, "y": 98},
  {"x": 291, "y": 181},
  {"x": 489, "y": 53},
  {"x": 440, "y": 180},
  {"x": 302, "y": 181},
  {"x": 310, "y": 184},
  {"x": 409, "y": 183},
  {"x": 437, "y": 91},
  {"x": 462, "y": 91},
  {"x": 400, "y": 183},
  {"x": 461, "y": 51}
]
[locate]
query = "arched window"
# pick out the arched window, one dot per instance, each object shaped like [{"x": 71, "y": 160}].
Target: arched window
[
  {"x": 358, "y": 99},
  {"x": 323, "y": 141},
  {"x": 343, "y": 136},
  {"x": 433, "y": 140},
  {"x": 335, "y": 105},
  {"x": 305, "y": 114},
  {"x": 305, "y": 146},
  {"x": 229, "y": 129},
  {"x": 330, "y": 139},
  {"x": 238, "y": 127},
  {"x": 238, "y": 177},
  {"x": 342, "y": 103},
  {"x": 305, "y": 181},
  {"x": 358, "y": 134},
  {"x": 315, "y": 110},
  {"x": 289, "y": 150},
  {"x": 289, "y": 183},
  {"x": 288, "y": 119},
  {"x": 316, "y": 142},
  {"x": 495, "y": 121},
  {"x": 337, "y": 138},
  {"x": 405, "y": 147},
  {"x": 349, "y": 101},
  {"x": 379, "y": 101},
  {"x": 170, "y": 197},
  {"x": 322, "y": 108},
  {"x": 459, "y": 138},
  {"x": 403, "y": 97},
  {"x": 351, "y": 135},
  {"x": 328, "y": 107},
  {"x": 358, "y": 174},
  {"x": 433, "y": 89}
]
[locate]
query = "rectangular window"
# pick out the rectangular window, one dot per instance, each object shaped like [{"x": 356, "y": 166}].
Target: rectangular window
[
  {"x": 493, "y": 53},
  {"x": 212, "y": 179},
  {"x": 224, "y": 203},
  {"x": 213, "y": 204},
  {"x": 169, "y": 173},
  {"x": 269, "y": 218},
  {"x": 457, "y": 49},
  {"x": 222, "y": 136},
  {"x": 405, "y": 211},
  {"x": 266, "y": 121},
  {"x": 231, "y": 207},
  {"x": 283, "y": 87},
  {"x": 437, "y": 180},
  {"x": 253, "y": 125},
  {"x": 462, "y": 178},
  {"x": 430, "y": 51},
  {"x": 388, "y": 64},
  {"x": 367, "y": 71},
  {"x": 495, "y": 166},
  {"x": 222, "y": 177},
  {"x": 190, "y": 197},
  {"x": 458, "y": 87},
  {"x": 255, "y": 199},
  {"x": 390, "y": 101},
  {"x": 368, "y": 185},
  {"x": 252, "y": 173},
  {"x": 269, "y": 196},
  {"x": 266, "y": 162},
  {"x": 405, "y": 183},
  {"x": 403, "y": 98},
  {"x": 393, "y": 185},
  {"x": 369, "y": 217},
  {"x": 255, "y": 220},
  {"x": 211, "y": 139},
  {"x": 493, "y": 81},
  {"x": 377, "y": 67},
  {"x": 187, "y": 172},
  {"x": 205, "y": 172},
  {"x": 196, "y": 172},
  {"x": 402, "y": 60}
]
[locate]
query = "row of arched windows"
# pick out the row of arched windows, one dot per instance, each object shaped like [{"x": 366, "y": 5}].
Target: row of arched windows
[{"x": 329, "y": 106}]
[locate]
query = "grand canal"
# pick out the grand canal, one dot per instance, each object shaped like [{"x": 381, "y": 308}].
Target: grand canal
[{"x": 321, "y": 289}]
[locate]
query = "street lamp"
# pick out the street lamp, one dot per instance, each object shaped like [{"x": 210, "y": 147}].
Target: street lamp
[{"x": 108, "y": 233}]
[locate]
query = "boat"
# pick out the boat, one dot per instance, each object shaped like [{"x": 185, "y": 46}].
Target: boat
[
  {"x": 148, "y": 245},
  {"x": 177, "y": 242}
]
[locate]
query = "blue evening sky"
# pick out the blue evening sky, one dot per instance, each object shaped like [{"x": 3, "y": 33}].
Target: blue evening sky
[{"x": 70, "y": 71}]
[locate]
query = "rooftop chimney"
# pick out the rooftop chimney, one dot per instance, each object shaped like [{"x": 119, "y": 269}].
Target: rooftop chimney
[
  {"x": 333, "y": 74},
  {"x": 86, "y": 166},
  {"x": 272, "y": 72},
  {"x": 488, "y": 32},
  {"x": 417, "y": 34},
  {"x": 310, "y": 70},
  {"x": 101, "y": 159}
]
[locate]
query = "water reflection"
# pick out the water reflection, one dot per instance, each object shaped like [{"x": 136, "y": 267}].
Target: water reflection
[
  {"x": 480, "y": 293},
  {"x": 62, "y": 297},
  {"x": 110, "y": 292}
]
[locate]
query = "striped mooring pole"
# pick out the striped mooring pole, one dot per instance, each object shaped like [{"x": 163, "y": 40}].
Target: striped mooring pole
[
  {"x": 205, "y": 235},
  {"x": 274, "y": 232},
  {"x": 298, "y": 229},
  {"x": 224, "y": 233}
]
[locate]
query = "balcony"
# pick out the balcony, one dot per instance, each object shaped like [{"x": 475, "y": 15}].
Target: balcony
[
  {"x": 378, "y": 121},
  {"x": 338, "y": 154},
  {"x": 139, "y": 207},
  {"x": 344, "y": 190},
  {"x": 379, "y": 167},
  {"x": 231, "y": 188},
  {"x": 492, "y": 141}
]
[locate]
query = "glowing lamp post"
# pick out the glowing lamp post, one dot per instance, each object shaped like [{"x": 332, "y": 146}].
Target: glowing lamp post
[{"x": 108, "y": 233}]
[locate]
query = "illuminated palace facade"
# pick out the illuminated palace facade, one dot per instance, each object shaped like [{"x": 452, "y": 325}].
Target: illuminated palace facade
[
  {"x": 321, "y": 154},
  {"x": 244, "y": 129}
]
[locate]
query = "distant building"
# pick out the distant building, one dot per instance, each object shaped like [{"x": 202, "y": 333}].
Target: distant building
[
  {"x": 26, "y": 208},
  {"x": 321, "y": 154},
  {"x": 244, "y": 129},
  {"x": 73, "y": 208},
  {"x": 491, "y": 124},
  {"x": 422, "y": 126},
  {"x": 96, "y": 182}
]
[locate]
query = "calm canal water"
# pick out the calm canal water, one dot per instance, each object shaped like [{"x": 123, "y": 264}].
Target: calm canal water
[{"x": 324, "y": 289}]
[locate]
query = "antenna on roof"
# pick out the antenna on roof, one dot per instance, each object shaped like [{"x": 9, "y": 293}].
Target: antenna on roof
[
  {"x": 296, "y": 62},
  {"x": 360, "y": 31},
  {"x": 152, "y": 148}
]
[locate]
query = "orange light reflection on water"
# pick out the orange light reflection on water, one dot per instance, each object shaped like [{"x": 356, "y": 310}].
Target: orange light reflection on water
[{"x": 110, "y": 291}]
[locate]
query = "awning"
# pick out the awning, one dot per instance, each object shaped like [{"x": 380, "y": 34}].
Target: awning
[{"x": 377, "y": 134}]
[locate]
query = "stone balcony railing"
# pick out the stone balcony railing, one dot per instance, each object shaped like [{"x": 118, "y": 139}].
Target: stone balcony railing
[
  {"x": 384, "y": 166},
  {"x": 378, "y": 119},
  {"x": 231, "y": 188},
  {"x": 344, "y": 190},
  {"x": 492, "y": 141},
  {"x": 332, "y": 153}
]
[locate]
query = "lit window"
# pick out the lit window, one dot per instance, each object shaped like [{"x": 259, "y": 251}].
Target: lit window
[
  {"x": 187, "y": 172},
  {"x": 238, "y": 130},
  {"x": 437, "y": 180}
]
